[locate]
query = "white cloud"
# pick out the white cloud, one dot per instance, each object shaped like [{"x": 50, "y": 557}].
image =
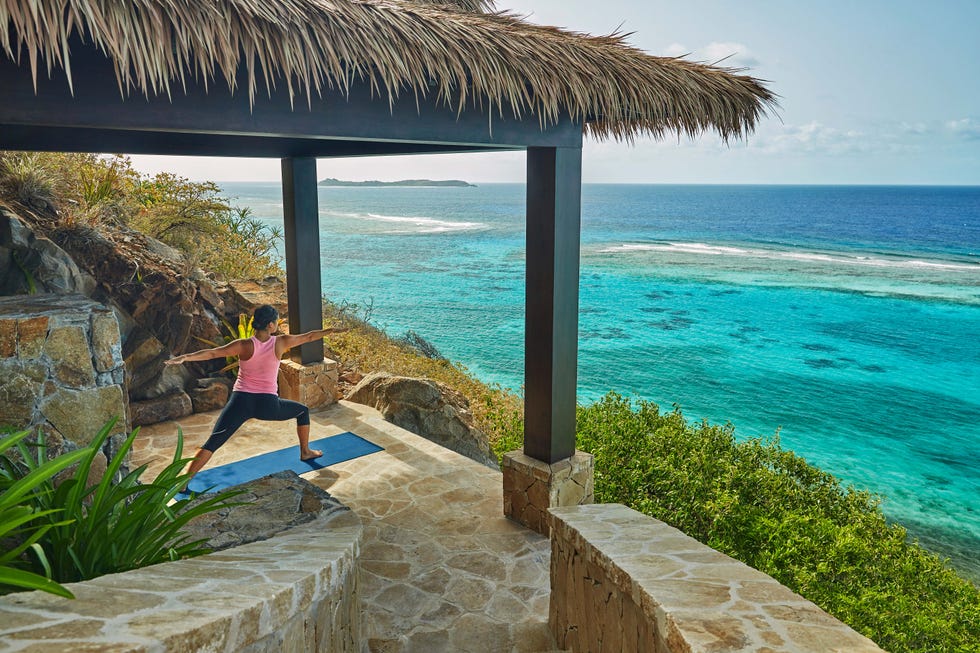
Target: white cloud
[
  {"x": 965, "y": 128},
  {"x": 815, "y": 138},
  {"x": 676, "y": 50},
  {"x": 874, "y": 138},
  {"x": 916, "y": 128},
  {"x": 735, "y": 55}
]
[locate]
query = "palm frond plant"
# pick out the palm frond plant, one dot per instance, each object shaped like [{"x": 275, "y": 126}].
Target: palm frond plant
[
  {"x": 20, "y": 527},
  {"x": 243, "y": 330},
  {"x": 116, "y": 524}
]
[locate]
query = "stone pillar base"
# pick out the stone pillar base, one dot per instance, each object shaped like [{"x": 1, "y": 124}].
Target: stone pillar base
[
  {"x": 312, "y": 384},
  {"x": 531, "y": 486}
]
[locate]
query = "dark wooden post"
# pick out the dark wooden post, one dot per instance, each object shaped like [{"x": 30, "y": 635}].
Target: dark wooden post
[
  {"x": 554, "y": 199},
  {"x": 302, "y": 234}
]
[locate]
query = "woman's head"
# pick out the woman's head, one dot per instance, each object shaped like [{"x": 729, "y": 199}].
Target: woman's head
[{"x": 264, "y": 316}]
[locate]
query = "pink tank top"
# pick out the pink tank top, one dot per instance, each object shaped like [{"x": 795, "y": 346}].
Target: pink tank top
[{"x": 259, "y": 374}]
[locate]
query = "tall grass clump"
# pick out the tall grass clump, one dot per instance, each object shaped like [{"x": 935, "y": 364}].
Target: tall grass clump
[
  {"x": 25, "y": 179},
  {"x": 767, "y": 507}
]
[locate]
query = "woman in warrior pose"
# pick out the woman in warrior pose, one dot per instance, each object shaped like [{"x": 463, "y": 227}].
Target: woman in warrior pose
[{"x": 255, "y": 394}]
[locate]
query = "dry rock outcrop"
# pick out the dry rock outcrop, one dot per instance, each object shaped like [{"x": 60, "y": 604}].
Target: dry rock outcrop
[
  {"x": 30, "y": 262},
  {"x": 162, "y": 303},
  {"x": 427, "y": 408}
]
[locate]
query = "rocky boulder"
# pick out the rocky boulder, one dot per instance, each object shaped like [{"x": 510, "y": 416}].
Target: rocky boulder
[
  {"x": 210, "y": 394},
  {"x": 31, "y": 263},
  {"x": 427, "y": 408},
  {"x": 148, "y": 376},
  {"x": 148, "y": 280},
  {"x": 271, "y": 505},
  {"x": 160, "y": 409},
  {"x": 244, "y": 296}
]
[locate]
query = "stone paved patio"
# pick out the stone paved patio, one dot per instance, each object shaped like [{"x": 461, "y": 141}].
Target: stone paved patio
[{"x": 442, "y": 568}]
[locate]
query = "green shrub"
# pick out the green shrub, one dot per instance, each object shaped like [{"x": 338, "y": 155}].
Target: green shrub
[
  {"x": 770, "y": 509},
  {"x": 115, "y": 525},
  {"x": 247, "y": 249},
  {"x": 195, "y": 218}
]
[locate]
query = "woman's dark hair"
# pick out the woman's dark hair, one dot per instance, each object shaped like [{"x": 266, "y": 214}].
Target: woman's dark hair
[{"x": 264, "y": 316}]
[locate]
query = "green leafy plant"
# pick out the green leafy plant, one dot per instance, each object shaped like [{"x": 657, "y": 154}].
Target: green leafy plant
[
  {"x": 20, "y": 528},
  {"x": 103, "y": 192},
  {"x": 243, "y": 331},
  {"x": 116, "y": 524}
]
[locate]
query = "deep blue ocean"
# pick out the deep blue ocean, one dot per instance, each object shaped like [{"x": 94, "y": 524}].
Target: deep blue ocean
[{"x": 847, "y": 318}]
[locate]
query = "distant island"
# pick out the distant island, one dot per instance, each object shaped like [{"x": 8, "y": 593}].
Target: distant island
[{"x": 403, "y": 182}]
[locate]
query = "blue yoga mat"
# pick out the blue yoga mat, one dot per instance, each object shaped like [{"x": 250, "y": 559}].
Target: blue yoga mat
[{"x": 336, "y": 449}]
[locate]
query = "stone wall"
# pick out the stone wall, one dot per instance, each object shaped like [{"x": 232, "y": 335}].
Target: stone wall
[
  {"x": 295, "y": 592},
  {"x": 61, "y": 368},
  {"x": 625, "y": 582}
]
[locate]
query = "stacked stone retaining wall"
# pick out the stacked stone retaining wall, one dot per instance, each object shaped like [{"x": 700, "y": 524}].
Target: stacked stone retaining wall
[
  {"x": 295, "y": 592},
  {"x": 61, "y": 368},
  {"x": 623, "y": 582}
]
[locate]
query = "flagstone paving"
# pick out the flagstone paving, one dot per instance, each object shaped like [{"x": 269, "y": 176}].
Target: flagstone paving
[{"x": 441, "y": 568}]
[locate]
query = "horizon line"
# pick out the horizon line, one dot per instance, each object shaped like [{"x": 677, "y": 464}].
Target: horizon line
[{"x": 640, "y": 183}]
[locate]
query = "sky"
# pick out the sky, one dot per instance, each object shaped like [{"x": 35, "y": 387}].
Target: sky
[{"x": 870, "y": 92}]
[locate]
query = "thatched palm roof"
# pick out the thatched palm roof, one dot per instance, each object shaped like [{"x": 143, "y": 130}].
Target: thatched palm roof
[
  {"x": 421, "y": 48},
  {"x": 465, "y": 5}
]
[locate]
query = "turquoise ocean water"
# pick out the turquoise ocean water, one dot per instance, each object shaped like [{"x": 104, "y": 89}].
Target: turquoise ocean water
[{"x": 846, "y": 317}]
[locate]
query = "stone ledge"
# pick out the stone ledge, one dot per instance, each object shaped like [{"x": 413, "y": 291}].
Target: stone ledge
[
  {"x": 623, "y": 581},
  {"x": 297, "y": 591}
]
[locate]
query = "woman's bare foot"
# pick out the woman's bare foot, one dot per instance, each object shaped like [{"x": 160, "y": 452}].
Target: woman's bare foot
[{"x": 310, "y": 454}]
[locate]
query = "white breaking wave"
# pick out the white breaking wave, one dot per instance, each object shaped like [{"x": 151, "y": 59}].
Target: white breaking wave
[
  {"x": 428, "y": 225},
  {"x": 414, "y": 224},
  {"x": 790, "y": 255}
]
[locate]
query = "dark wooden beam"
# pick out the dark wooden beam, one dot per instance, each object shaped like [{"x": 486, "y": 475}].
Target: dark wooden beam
[
  {"x": 554, "y": 190},
  {"x": 302, "y": 234},
  {"x": 76, "y": 139}
]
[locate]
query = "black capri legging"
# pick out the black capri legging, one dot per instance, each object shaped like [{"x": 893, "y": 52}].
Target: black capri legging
[{"x": 244, "y": 406}]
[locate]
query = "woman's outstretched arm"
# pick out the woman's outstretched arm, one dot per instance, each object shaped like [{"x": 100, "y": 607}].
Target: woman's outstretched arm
[
  {"x": 233, "y": 348},
  {"x": 289, "y": 341}
]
